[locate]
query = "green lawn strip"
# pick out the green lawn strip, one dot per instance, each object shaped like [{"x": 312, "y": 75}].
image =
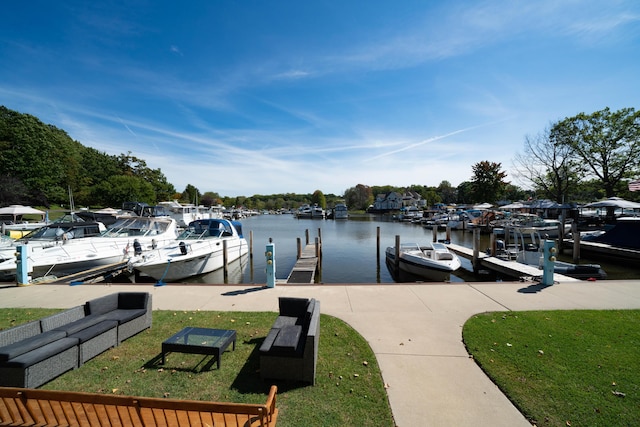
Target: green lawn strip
[
  {"x": 578, "y": 368},
  {"x": 349, "y": 389}
]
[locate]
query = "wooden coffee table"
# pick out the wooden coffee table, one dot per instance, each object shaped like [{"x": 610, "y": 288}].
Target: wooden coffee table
[{"x": 200, "y": 341}]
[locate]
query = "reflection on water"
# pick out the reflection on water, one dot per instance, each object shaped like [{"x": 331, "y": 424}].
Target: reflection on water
[{"x": 349, "y": 250}]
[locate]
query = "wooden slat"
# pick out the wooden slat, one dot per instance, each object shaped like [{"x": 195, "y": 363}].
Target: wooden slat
[{"x": 57, "y": 408}]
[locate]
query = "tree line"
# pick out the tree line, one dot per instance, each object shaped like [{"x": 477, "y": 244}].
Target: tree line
[{"x": 580, "y": 158}]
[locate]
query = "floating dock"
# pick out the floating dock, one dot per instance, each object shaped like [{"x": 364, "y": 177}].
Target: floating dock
[
  {"x": 508, "y": 268},
  {"x": 304, "y": 271}
]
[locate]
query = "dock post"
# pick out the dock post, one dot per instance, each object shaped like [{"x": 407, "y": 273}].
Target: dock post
[
  {"x": 561, "y": 235},
  {"x": 396, "y": 260},
  {"x": 378, "y": 244},
  {"x": 476, "y": 250},
  {"x": 251, "y": 244},
  {"x": 492, "y": 242},
  {"x": 306, "y": 235},
  {"x": 319, "y": 255},
  {"x": 225, "y": 260},
  {"x": 448, "y": 235},
  {"x": 435, "y": 232},
  {"x": 271, "y": 263},
  {"x": 299, "y": 243},
  {"x": 576, "y": 242}
]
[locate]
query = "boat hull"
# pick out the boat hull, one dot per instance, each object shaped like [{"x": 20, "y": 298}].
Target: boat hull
[
  {"x": 419, "y": 266},
  {"x": 202, "y": 257}
]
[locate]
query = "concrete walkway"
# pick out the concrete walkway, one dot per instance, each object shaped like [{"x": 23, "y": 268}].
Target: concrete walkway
[{"x": 415, "y": 330}]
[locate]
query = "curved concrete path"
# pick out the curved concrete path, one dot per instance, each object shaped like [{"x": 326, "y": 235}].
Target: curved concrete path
[{"x": 415, "y": 330}]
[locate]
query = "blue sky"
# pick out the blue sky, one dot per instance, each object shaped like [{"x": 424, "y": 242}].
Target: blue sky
[{"x": 264, "y": 97}]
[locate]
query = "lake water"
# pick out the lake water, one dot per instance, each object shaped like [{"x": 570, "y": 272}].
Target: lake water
[{"x": 349, "y": 252}]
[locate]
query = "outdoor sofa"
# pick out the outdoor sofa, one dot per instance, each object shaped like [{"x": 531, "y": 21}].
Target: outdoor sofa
[
  {"x": 290, "y": 350},
  {"x": 36, "y": 352}
]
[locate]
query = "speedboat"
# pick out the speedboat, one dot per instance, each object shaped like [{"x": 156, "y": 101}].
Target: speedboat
[
  {"x": 56, "y": 233},
  {"x": 127, "y": 237},
  {"x": 526, "y": 247},
  {"x": 533, "y": 223},
  {"x": 432, "y": 261},
  {"x": 198, "y": 250}
]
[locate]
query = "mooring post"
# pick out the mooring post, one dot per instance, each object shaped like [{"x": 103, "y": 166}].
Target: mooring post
[
  {"x": 476, "y": 248},
  {"x": 306, "y": 235},
  {"x": 271, "y": 263},
  {"x": 396, "y": 260},
  {"x": 378, "y": 244},
  {"x": 448, "y": 235},
  {"x": 251, "y": 244},
  {"x": 576, "y": 242},
  {"x": 299, "y": 243},
  {"x": 492, "y": 242},
  {"x": 435, "y": 232}
]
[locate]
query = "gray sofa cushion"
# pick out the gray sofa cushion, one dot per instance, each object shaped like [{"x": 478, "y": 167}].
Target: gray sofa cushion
[
  {"x": 131, "y": 300},
  {"x": 16, "y": 349},
  {"x": 93, "y": 331},
  {"x": 288, "y": 338},
  {"x": 39, "y": 354},
  {"x": 102, "y": 305},
  {"x": 283, "y": 321},
  {"x": 123, "y": 316},
  {"x": 78, "y": 325},
  {"x": 292, "y": 306}
]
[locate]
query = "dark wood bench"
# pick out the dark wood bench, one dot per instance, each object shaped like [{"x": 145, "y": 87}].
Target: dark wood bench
[{"x": 20, "y": 406}]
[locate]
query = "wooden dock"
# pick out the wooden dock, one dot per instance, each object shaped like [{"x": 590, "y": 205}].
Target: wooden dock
[
  {"x": 508, "y": 268},
  {"x": 304, "y": 271}
]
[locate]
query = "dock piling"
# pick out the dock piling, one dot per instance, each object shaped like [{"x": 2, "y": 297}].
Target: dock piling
[{"x": 576, "y": 242}]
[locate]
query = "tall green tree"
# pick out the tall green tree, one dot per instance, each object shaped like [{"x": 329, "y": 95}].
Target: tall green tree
[
  {"x": 359, "y": 197},
  {"x": 318, "y": 198},
  {"x": 488, "y": 181},
  {"x": 606, "y": 142}
]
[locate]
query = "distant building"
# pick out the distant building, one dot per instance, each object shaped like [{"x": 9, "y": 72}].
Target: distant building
[{"x": 394, "y": 201}]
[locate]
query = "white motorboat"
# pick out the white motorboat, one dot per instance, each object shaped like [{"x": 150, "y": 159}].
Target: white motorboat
[
  {"x": 56, "y": 233},
  {"x": 308, "y": 211},
  {"x": 198, "y": 250},
  {"x": 432, "y": 261},
  {"x": 526, "y": 247},
  {"x": 340, "y": 211},
  {"x": 533, "y": 223},
  {"x": 127, "y": 237}
]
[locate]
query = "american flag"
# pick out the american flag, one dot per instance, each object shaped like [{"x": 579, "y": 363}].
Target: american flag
[{"x": 634, "y": 185}]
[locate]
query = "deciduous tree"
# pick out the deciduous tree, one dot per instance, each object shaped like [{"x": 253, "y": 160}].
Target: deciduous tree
[{"x": 607, "y": 143}]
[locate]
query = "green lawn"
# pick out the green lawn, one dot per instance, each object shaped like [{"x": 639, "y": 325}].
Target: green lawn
[
  {"x": 349, "y": 390},
  {"x": 561, "y": 368}
]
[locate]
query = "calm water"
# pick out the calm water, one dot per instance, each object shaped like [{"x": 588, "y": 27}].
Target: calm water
[{"x": 348, "y": 249}]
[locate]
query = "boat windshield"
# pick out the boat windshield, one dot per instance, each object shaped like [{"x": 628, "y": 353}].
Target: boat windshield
[{"x": 138, "y": 226}]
